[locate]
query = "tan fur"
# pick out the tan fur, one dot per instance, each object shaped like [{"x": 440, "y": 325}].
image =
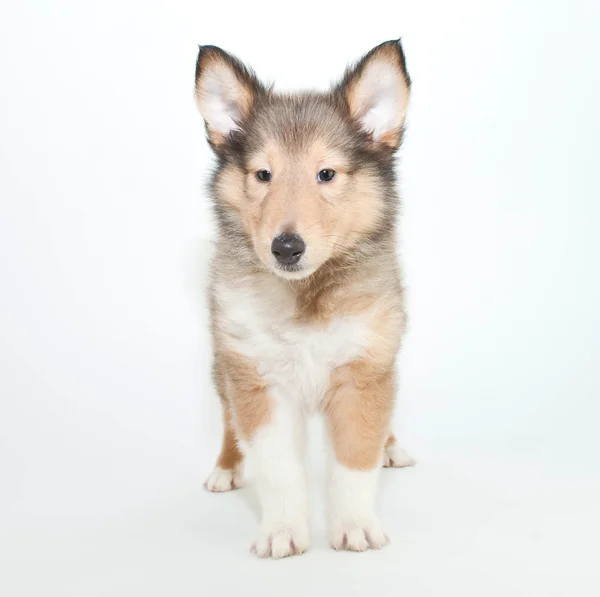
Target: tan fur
[
  {"x": 358, "y": 410},
  {"x": 360, "y": 398},
  {"x": 230, "y": 456},
  {"x": 244, "y": 395}
]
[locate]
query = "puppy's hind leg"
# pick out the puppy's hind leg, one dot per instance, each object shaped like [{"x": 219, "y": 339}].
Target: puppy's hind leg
[
  {"x": 228, "y": 471},
  {"x": 394, "y": 455}
]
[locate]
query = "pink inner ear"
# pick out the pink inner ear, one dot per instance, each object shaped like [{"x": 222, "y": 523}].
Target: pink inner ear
[
  {"x": 224, "y": 92},
  {"x": 378, "y": 91},
  {"x": 219, "y": 96},
  {"x": 379, "y": 97}
]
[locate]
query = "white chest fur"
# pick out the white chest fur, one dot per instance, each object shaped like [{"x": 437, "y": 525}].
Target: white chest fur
[{"x": 294, "y": 359}]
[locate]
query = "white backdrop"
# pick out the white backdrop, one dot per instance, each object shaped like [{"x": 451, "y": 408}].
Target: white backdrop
[{"x": 108, "y": 421}]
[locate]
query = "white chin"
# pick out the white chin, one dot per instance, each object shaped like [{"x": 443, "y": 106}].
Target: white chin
[{"x": 294, "y": 274}]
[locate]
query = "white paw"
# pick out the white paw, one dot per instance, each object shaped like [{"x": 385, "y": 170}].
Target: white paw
[
  {"x": 224, "y": 479},
  {"x": 358, "y": 535},
  {"x": 397, "y": 457},
  {"x": 278, "y": 541}
]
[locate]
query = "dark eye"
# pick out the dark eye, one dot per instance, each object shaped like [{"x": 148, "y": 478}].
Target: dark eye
[
  {"x": 326, "y": 175},
  {"x": 263, "y": 175}
]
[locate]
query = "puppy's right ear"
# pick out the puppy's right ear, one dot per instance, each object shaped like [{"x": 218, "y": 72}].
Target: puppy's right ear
[{"x": 225, "y": 92}]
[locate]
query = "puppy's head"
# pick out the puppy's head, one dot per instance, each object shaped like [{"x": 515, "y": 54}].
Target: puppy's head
[{"x": 303, "y": 178}]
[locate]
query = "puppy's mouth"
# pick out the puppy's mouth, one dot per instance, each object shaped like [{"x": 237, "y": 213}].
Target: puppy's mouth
[{"x": 296, "y": 271}]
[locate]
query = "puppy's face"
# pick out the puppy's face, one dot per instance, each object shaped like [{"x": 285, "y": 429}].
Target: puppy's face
[{"x": 303, "y": 178}]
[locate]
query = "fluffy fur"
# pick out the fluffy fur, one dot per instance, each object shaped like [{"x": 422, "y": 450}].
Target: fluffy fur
[{"x": 321, "y": 334}]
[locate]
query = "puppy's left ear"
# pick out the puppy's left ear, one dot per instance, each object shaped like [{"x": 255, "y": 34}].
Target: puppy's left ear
[{"x": 377, "y": 91}]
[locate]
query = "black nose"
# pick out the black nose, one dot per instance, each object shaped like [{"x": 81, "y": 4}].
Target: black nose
[{"x": 288, "y": 248}]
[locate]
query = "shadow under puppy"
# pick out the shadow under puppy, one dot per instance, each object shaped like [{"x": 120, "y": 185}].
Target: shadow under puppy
[{"x": 306, "y": 299}]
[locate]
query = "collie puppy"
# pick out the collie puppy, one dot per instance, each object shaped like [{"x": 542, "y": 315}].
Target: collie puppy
[{"x": 306, "y": 297}]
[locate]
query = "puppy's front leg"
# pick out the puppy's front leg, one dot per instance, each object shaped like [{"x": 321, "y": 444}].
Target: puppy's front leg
[
  {"x": 358, "y": 411},
  {"x": 276, "y": 450}
]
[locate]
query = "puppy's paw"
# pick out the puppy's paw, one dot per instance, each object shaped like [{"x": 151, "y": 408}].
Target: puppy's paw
[
  {"x": 354, "y": 535},
  {"x": 395, "y": 456},
  {"x": 279, "y": 541},
  {"x": 224, "y": 479}
]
